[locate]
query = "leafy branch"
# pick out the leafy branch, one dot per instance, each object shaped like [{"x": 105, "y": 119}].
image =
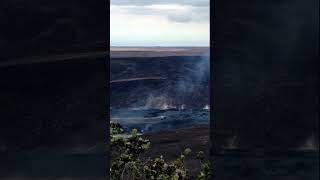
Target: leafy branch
[{"x": 127, "y": 164}]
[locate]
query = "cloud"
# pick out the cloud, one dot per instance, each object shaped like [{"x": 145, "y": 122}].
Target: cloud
[
  {"x": 159, "y": 22},
  {"x": 155, "y": 2},
  {"x": 173, "y": 12}
]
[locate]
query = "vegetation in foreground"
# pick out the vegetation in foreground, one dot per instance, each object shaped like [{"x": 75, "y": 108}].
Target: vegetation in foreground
[{"x": 126, "y": 161}]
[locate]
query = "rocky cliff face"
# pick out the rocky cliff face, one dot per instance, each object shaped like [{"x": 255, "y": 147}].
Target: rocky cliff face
[{"x": 160, "y": 82}]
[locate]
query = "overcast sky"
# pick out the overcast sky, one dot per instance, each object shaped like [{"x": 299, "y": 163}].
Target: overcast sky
[{"x": 159, "y": 23}]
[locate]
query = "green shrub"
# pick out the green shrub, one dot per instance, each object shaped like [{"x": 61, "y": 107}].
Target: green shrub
[{"x": 126, "y": 160}]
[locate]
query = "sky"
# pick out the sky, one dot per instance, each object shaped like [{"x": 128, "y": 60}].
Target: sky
[{"x": 159, "y": 23}]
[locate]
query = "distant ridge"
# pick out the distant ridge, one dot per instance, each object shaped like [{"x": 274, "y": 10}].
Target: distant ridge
[{"x": 120, "y": 52}]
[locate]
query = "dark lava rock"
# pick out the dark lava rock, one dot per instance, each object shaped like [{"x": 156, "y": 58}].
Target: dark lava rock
[
  {"x": 183, "y": 81},
  {"x": 148, "y": 121},
  {"x": 172, "y": 143}
]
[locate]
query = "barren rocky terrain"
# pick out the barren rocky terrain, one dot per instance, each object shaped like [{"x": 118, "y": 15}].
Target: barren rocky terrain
[{"x": 170, "y": 81}]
